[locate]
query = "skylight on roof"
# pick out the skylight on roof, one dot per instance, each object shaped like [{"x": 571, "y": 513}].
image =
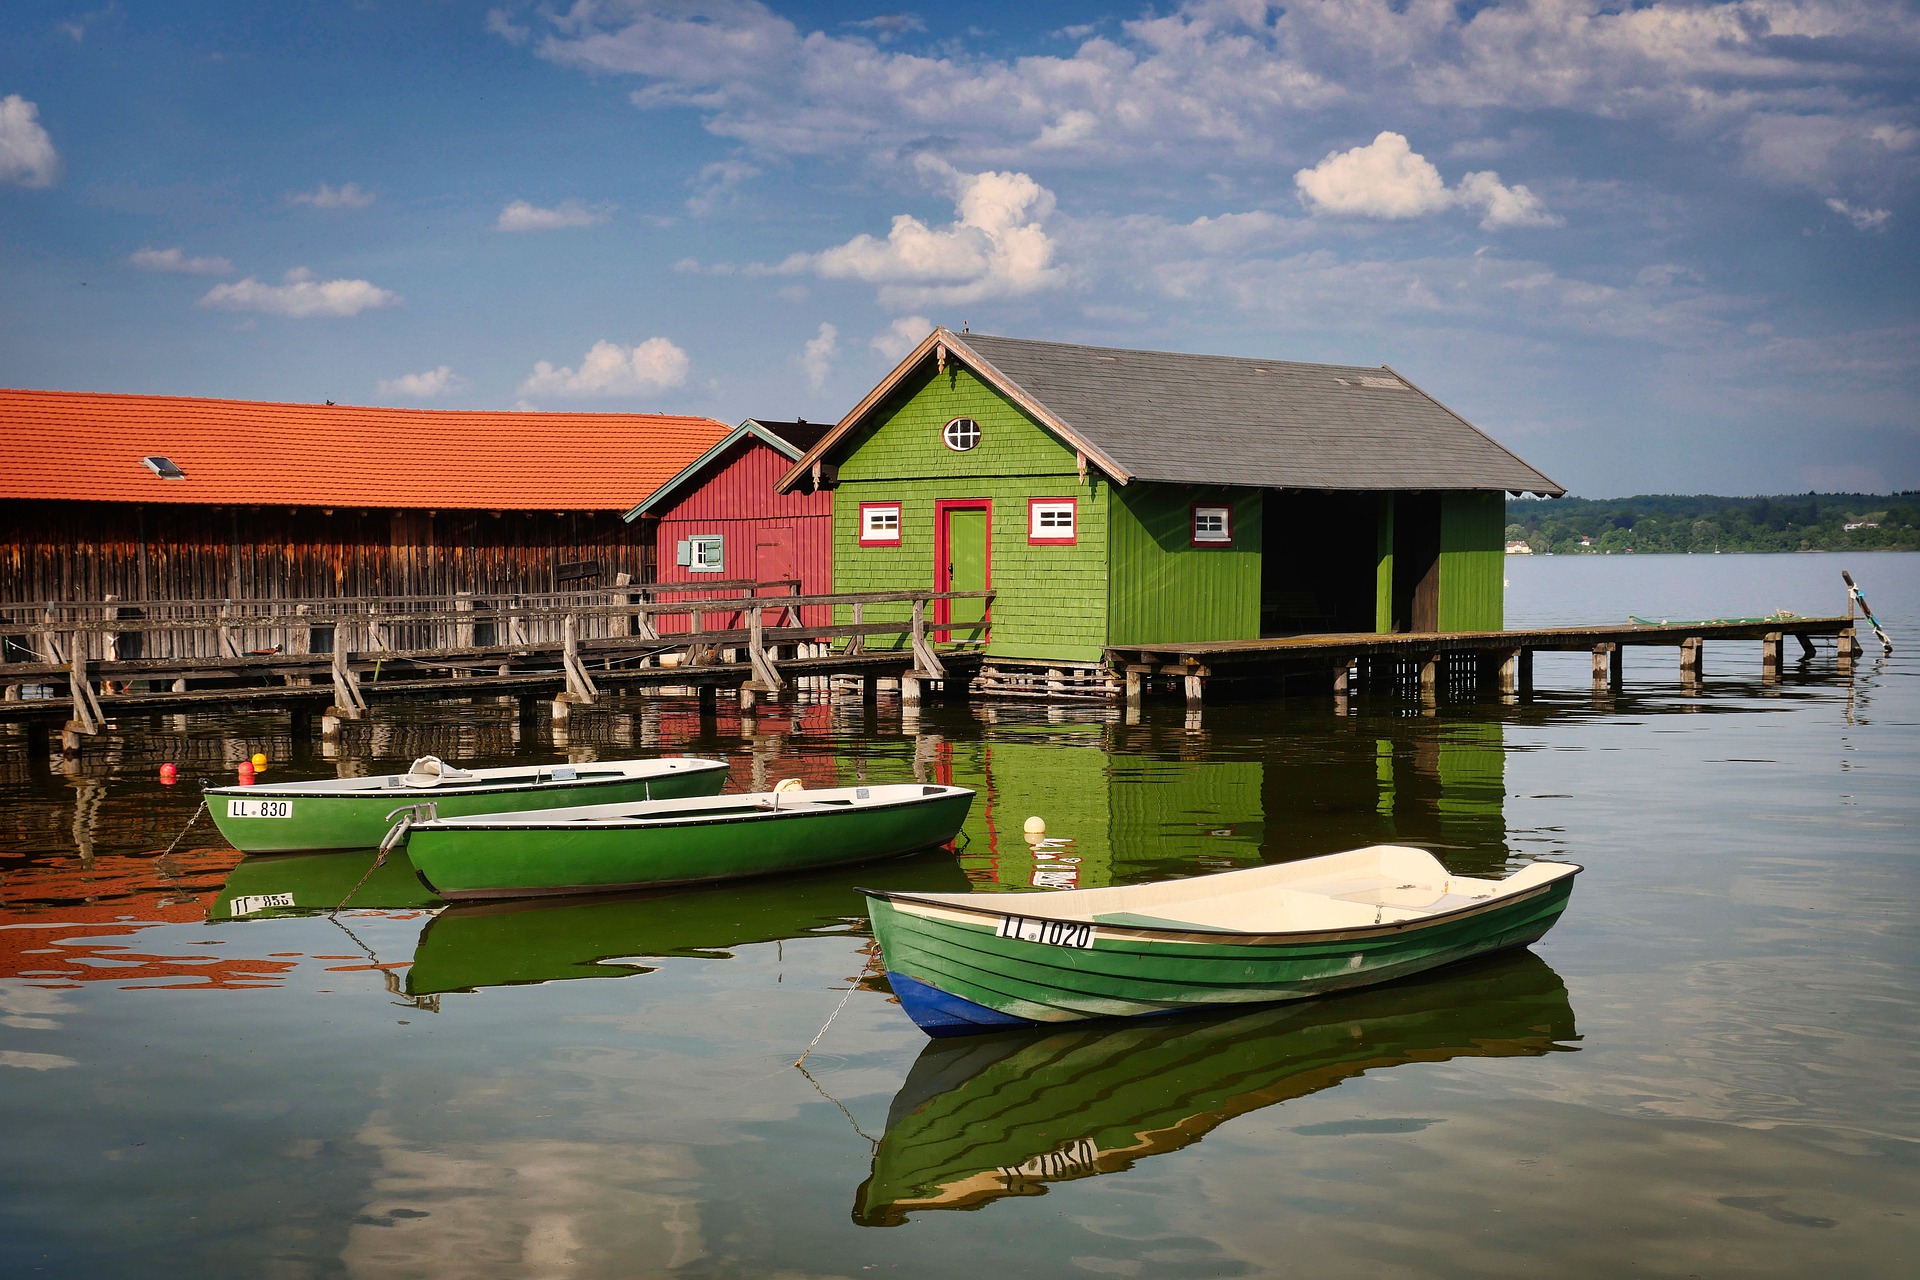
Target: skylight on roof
[{"x": 165, "y": 468}]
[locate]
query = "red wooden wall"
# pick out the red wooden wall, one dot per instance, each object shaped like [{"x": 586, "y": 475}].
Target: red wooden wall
[{"x": 767, "y": 534}]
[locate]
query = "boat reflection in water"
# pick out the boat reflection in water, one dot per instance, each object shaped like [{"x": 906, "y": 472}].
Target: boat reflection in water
[
  {"x": 475, "y": 945},
  {"x": 262, "y": 887},
  {"x": 983, "y": 1117}
]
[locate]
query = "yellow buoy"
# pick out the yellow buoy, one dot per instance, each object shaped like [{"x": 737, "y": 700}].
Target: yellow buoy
[
  {"x": 1036, "y": 826},
  {"x": 259, "y": 760}
]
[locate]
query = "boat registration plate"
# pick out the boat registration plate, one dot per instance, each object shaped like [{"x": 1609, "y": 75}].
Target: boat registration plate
[
  {"x": 1053, "y": 933},
  {"x": 259, "y": 808},
  {"x": 248, "y": 903}
]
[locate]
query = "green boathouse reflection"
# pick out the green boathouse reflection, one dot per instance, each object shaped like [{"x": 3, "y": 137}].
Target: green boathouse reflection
[
  {"x": 985, "y": 1117},
  {"x": 1123, "y": 804}
]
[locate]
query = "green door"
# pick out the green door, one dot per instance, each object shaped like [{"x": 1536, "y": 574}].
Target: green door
[{"x": 965, "y": 565}]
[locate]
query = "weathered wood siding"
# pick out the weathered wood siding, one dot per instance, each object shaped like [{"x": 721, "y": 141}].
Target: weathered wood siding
[
  {"x": 1472, "y": 561},
  {"x": 1163, "y": 588},
  {"x": 1050, "y": 602},
  {"x": 60, "y": 551},
  {"x": 734, "y": 497}
]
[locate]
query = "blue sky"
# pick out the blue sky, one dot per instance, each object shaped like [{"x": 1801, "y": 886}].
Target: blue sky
[{"x": 1659, "y": 247}]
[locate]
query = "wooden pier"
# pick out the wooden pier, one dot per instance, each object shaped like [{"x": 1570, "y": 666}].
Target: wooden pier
[
  {"x": 1460, "y": 662},
  {"x": 89, "y": 661},
  {"x": 74, "y": 665}
]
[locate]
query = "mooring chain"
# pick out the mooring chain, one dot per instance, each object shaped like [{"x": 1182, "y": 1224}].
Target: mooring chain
[
  {"x": 190, "y": 821},
  {"x": 851, "y": 986}
]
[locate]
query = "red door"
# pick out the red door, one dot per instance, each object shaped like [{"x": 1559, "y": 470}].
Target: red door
[{"x": 774, "y": 557}]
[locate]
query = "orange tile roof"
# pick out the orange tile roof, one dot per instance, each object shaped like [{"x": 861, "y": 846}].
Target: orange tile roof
[{"x": 88, "y": 446}]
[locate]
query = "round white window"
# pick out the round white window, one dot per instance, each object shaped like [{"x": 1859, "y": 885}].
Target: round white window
[{"x": 961, "y": 434}]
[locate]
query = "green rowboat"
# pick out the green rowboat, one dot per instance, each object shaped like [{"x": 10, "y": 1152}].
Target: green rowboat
[
  {"x": 610, "y": 847},
  {"x": 971, "y": 962},
  {"x": 354, "y": 813},
  {"x": 491, "y": 944},
  {"x": 983, "y": 1118}
]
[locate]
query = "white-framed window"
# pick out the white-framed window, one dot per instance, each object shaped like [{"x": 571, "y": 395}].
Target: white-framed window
[
  {"x": 1212, "y": 525},
  {"x": 879, "y": 524},
  {"x": 702, "y": 553},
  {"x": 1051, "y": 520},
  {"x": 961, "y": 434}
]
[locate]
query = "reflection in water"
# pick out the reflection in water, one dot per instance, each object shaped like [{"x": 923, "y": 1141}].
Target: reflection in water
[
  {"x": 500, "y": 944},
  {"x": 523, "y": 1207},
  {"x": 987, "y": 1117},
  {"x": 304, "y": 884}
]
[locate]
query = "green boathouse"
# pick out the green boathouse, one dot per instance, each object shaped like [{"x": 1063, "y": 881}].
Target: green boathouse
[{"x": 1124, "y": 498}]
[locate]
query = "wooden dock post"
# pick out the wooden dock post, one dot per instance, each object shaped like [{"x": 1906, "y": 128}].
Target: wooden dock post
[
  {"x": 1196, "y": 684},
  {"x": 910, "y": 690},
  {"x": 1692, "y": 659},
  {"x": 1430, "y": 678},
  {"x": 348, "y": 702},
  {"x": 1606, "y": 665},
  {"x": 1525, "y": 673},
  {"x": 580, "y": 685},
  {"x": 1772, "y": 654}
]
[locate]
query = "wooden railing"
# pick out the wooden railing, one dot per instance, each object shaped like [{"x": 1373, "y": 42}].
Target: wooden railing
[{"x": 82, "y": 643}]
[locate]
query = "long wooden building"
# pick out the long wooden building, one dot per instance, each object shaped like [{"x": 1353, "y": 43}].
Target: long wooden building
[{"x": 153, "y": 499}]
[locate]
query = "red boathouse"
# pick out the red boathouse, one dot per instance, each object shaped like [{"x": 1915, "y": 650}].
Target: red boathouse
[{"x": 722, "y": 519}]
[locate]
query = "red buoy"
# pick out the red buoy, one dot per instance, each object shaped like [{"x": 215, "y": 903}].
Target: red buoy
[
  {"x": 246, "y": 773},
  {"x": 168, "y": 774}
]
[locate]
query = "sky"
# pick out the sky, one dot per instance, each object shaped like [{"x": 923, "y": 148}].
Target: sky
[{"x": 1662, "y": 247}]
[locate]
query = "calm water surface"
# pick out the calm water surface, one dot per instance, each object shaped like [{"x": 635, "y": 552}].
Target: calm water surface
[{"x": 1711, "y": 1067}]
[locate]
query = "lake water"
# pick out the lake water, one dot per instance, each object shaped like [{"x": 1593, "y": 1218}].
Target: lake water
[{"x": 1711, "y": 1067}]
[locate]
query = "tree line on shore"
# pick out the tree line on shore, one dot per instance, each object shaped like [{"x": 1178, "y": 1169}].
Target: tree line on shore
[{"x": 1654, "y": 524}]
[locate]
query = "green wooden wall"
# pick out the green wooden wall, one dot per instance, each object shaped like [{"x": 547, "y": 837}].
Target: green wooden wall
[
  {"x": 1050, "y": 601},
  {"x": 1162, "y": 587},
  {"x": 1472, "y": 561}
]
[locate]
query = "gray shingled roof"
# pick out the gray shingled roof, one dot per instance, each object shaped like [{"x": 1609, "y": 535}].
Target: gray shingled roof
[{"x": 1271, "y": 423}]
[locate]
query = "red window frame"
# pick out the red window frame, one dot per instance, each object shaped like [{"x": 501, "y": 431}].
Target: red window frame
[
  {"x": 882, "y": 541},
  {"x": 1193, "y": 527},
  {"x": 1041, "y": 540}
]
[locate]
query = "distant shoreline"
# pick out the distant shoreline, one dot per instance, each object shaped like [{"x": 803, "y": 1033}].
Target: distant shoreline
[{"x": 1705, "y": 524}]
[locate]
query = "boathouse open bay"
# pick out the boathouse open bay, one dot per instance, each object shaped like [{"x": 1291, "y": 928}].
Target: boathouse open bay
[{"x": 1708, "y": 1067}]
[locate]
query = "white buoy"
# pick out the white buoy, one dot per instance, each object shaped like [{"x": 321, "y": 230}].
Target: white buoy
[{"x": 1036, "y": 826}]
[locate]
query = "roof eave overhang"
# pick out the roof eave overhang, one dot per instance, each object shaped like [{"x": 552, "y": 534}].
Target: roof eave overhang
[
  {"x": 1547, "y": 488},
  {"x": 944, "y": 340},
  {"x": 750, "y": 429}
]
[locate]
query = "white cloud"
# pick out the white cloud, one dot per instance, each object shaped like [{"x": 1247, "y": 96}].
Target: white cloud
[
  {"x": 902, "y": 336},
  {"x": 424, "y": 386},
  {"x": 500, "y": 23},
  {"x": 26, "y": 1061},
  {"x": 1387, "y": 178},
  {"x": 1384, "y": 179},
  {"x": 717, "y": 184},
  {"x": 522, "y": 216},
  {"x": 175, "y": 260},
  {"x": 817, "y": 359},
  {"x": 27, "y": 157},
  {"x": 302, "y": 296},
  {"x": 611, "y": 370},
  {"x": 1863, "y": 219},
  {"x": 349, "y": 195},
  {"x": 1505, "y": 206},
  {"x": 1209, "y": 78},
  {"x": 995, "y": 247}
]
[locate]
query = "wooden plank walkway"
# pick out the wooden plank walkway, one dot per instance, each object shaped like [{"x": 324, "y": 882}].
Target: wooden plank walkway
[
  {"x": 1352, "y": 661},
  {"x": 566, "y": 649}
]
